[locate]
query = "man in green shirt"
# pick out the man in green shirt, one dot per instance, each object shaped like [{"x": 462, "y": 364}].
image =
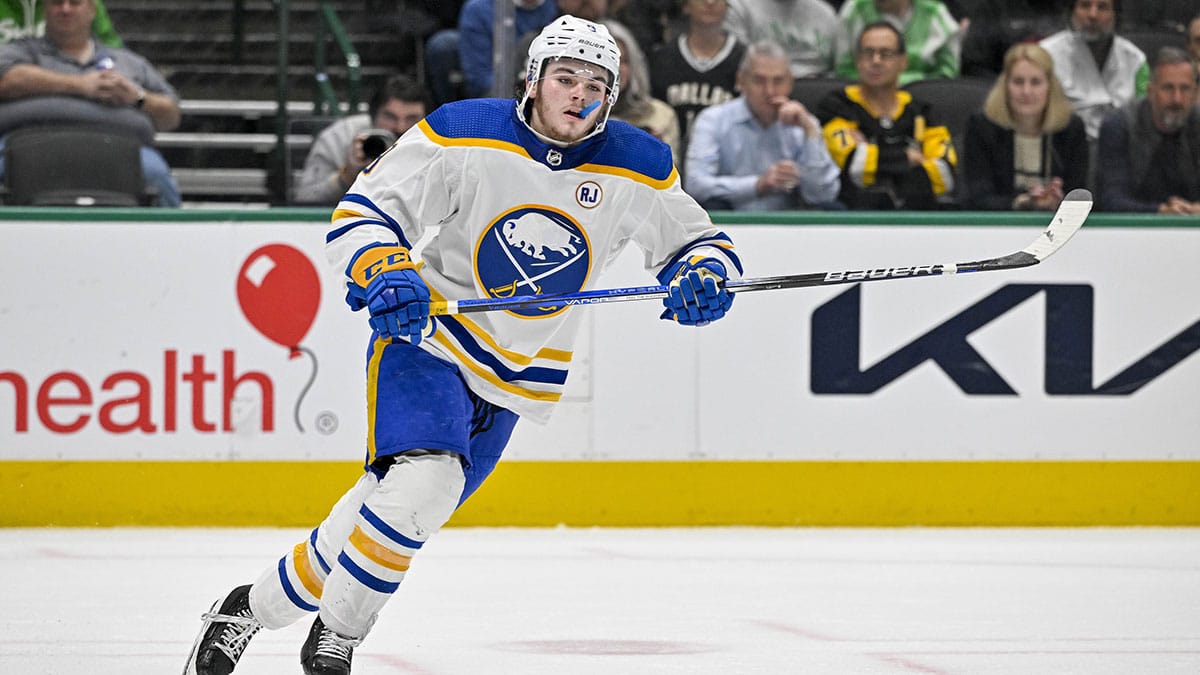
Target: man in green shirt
[
  {"x": 27, "y": 18},
  {"x": 933, "y": 37}
]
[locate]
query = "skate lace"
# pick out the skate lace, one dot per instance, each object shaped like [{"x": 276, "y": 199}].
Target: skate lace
[
  {"x": 239, "y": 628},
  {"x": 335, "y": 646}
]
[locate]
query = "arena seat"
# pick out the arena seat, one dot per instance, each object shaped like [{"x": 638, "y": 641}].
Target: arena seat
[
  {"x": 73, "y": 166},
  {"x": 953, "y": 101}
]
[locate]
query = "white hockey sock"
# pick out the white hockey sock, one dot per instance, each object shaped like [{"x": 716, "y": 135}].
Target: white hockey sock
[
  {"x": 416, "y": 497},
  {"x": 291, "y": 589}
]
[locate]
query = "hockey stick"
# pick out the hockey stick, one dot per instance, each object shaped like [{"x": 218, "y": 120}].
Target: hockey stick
[{"x": 1066, "y": 222}]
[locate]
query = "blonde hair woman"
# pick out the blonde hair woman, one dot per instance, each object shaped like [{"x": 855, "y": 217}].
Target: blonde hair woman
[{"x": 1026, "y": 148}]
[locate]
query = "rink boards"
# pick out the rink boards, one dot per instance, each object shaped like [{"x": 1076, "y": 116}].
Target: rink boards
[{"x": 146, "y": 379}]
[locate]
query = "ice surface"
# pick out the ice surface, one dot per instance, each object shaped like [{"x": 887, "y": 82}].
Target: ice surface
[{"x": 601, "y": 601}]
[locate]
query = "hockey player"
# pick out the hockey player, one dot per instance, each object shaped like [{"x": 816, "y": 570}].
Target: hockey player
[{"x": 535, "y": 197}]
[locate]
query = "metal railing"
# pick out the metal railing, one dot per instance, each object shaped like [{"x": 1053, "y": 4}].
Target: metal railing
[
  {"x": 326, "y": 100},
  {"x": 281, "y": 159}
]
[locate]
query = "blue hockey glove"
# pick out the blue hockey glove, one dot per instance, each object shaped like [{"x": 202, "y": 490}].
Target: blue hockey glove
[
  {"x": 399, "y": 304},
  {"x": 385, "y": 280},
  {"x": 697, "y": 295}
]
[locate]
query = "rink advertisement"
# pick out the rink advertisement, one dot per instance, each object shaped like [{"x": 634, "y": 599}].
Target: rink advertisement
[
  {"x": 177, "y": 341},
  {"x": 136, "y": 352}
]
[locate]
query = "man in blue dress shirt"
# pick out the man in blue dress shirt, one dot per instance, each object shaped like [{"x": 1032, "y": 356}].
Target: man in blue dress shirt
[{"x": 761, "y": 151}]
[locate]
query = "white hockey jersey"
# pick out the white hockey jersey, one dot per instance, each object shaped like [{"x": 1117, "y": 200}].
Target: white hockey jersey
[
  {"x": 510, "y": 215},
  {"x": 1094, "y": 92}
]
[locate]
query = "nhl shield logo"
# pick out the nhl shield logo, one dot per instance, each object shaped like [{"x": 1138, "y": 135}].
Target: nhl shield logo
[
  {"x": 553, "y": 157},
  {"x": 533, "y": 250}
]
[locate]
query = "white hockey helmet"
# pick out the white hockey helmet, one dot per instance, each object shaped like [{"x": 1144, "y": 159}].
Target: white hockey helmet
[{"x": 569, "y": 37}]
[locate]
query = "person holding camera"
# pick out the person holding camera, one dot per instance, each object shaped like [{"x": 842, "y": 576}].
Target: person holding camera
[{"x": 345, "y": 147}]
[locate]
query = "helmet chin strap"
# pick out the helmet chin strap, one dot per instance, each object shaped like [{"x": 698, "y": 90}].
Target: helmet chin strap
[{"x": 554, "y": 141}]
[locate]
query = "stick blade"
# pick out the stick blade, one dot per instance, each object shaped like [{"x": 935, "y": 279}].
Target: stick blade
[{"x": 1067, "y": 220}]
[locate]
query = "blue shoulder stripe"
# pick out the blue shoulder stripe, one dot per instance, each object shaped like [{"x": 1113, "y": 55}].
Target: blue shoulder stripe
[
  {"x": 627, "y": 147},
  {"x": 383, "y": 218},
  {"x": 475, "y": 118}
]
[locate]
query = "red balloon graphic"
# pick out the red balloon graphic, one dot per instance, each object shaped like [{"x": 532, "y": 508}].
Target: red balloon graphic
[{"x": 279, "y": 291}]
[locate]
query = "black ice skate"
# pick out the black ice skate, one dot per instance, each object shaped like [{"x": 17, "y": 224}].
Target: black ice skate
[
  {"x": 325, "y": 652},
  {"x": 227, "y": 629}
]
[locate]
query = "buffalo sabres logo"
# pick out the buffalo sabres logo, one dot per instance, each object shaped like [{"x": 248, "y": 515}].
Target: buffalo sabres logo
[{"x": 533, "y": 250}]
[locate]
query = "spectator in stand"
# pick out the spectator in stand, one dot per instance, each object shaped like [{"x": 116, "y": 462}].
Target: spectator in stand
[
  {"x": 592, "y": 10},
  {"x": 1150, "y": 149},
  {"x": 1169, "y": 15},
  {"x": 804, "y": 28},
  {"x": 647, "y": 20},
  {"x": 893, "y": 152},
  {"x": 997, "y": 25},
  {"x": 467, "y": 51},
  {"x": 429, "y": 15},
  {"x": 412, "y": 23},
  {"x": 338, "y": 154},
  {"x": 761, "y": 151},
  {"x": 475, "y": 42},
  {"x": 1193, "y": 44},
  {"x": 1099, "y": 69},
  {"x": 933, "y": 37},
  {"x": 69, "y": 77},
  {"x": 635, "y": 104},
  {"x": 1026, "y": 148},
  {"x": 26, "y": 19},
  {"x": 699, "y": 68}
]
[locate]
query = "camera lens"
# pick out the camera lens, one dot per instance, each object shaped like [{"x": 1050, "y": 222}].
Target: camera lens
[{"x": 375, "y": 141}]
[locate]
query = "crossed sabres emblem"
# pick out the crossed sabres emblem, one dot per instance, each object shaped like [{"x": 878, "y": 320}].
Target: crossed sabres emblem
[{"x": 539, "y": 248}]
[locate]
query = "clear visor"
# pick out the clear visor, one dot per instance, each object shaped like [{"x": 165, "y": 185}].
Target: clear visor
[{"x": 589, "y": 81}]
